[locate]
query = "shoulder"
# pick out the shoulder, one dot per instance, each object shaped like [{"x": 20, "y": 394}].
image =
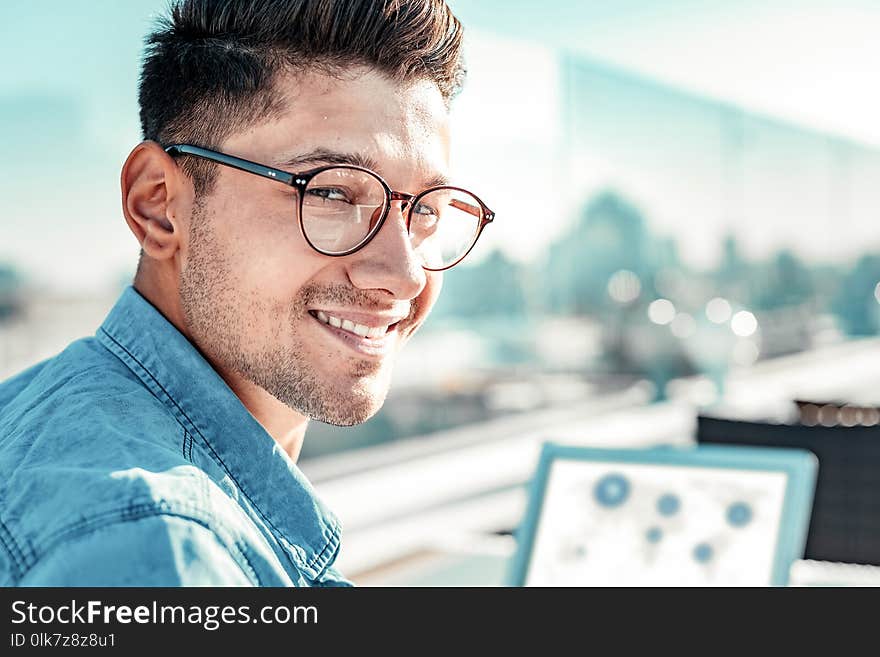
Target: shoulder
[
  {"x": 147, "y": 520},
  {"x": 159, "y": 521},
  {"x": 82, "y": 388},
  {"x": 153, "y": 550},
  {"x": 82, "y": 424},
  {"x": 87, "y": 453}
]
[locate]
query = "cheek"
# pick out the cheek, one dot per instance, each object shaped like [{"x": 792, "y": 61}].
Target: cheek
[
  {"x": 265, "y": 250},
  {"x": 426, "y": 300}
]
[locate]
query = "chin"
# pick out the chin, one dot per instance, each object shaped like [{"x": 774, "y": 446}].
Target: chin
[
  {"x": 349, "y": 416},
  {"x": 350, "y": 407}
]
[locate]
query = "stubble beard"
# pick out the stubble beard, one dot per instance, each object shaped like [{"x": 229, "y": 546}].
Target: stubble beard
[{"x": 219, "y": 316}]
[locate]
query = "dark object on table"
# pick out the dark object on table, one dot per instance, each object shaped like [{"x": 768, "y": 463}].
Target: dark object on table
[{"x": 845, "y": 522}]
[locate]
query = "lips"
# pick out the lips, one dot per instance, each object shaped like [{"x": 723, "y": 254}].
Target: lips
[{"x": 371, "y": 335}]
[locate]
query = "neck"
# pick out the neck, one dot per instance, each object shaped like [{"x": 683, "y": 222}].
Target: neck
[{"x": 286, "y": 426}]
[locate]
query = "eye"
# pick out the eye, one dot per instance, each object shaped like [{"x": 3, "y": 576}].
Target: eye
[
  {"x": 423, "y": 224},
  {"x": 425, "y": 210},
  {"x": 329, "y": 193}
]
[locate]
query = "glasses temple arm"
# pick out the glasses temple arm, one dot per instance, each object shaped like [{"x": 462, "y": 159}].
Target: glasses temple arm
[{"x": 231, "y": 161}]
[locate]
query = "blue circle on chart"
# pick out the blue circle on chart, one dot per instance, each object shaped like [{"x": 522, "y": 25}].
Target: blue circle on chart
[
  {"x": 668, "y": 504},
  {"x": 739, "y": 514},
  {"x": 612, "y": 490},
  {"x": 703, "y": 552},
  {"x": 654, "y": 534}
]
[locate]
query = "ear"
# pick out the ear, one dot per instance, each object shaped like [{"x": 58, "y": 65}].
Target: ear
[{"x": 155, "y": 195}]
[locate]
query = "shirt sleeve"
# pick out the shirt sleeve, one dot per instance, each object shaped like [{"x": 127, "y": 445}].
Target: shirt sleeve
[
  {"x": 331, "y": 577},
  {"x": 157, "y": 550}
]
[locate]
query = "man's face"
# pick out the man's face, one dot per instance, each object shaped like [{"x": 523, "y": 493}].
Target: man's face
[{"x": 256, "y": 297}]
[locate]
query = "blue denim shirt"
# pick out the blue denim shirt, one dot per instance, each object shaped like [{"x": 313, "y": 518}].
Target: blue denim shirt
[{"x": 127, "y": 461}]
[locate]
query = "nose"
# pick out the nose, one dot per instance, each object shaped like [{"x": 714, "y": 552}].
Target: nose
[{"x": 388, "y": 262}]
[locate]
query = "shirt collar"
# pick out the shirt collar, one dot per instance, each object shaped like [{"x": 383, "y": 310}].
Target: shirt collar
[{"x": 175, "y": 372}]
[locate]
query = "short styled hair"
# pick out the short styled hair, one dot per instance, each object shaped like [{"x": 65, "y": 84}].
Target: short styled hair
[{"x": 210, "y": 65}]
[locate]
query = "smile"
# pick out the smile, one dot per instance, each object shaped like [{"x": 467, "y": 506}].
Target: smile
[
  {"x": 352, "y": 327},
  {"x": 374, "y": 337}
]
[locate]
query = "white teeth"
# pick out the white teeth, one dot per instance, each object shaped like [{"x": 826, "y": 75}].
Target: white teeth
[{"x": 350, "y": 326}]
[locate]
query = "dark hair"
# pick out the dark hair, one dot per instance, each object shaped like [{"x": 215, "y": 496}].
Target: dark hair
[{"x": 210, "y": 66}]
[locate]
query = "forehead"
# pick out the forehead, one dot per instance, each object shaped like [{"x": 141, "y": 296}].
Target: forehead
[{"x": 403, "y": 127}]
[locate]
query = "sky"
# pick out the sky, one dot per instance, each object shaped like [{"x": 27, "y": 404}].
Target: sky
[
  {"x": 809, "y": 61},
  {"x": 69, "y": 117}
]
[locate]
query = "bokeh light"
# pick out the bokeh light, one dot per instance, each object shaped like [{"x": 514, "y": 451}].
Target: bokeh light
[
  {"x": 624, "y": 286},
  {"x": 661, "y": 311},
  {"x": 718, "y": 310},
  {"x": 744, "y": 324}
]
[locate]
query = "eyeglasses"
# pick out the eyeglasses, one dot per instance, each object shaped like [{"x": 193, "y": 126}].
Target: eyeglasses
[{"x": 342, "y": 207}]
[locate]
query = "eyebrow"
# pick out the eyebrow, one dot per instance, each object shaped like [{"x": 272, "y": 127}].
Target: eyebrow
[
  {"x": 326, "y": 156},
  {"x": 323, "y": 155}
]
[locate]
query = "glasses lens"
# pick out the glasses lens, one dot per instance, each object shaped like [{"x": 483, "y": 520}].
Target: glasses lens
[
  {"x": 443, "y": 226},
  {"x": 340, "y": 208}
]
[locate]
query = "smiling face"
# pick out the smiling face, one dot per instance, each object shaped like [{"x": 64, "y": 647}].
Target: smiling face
[{"x": 319, "y": 333}]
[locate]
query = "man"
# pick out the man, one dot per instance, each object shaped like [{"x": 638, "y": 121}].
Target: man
[{"x": 294, "y": 215}]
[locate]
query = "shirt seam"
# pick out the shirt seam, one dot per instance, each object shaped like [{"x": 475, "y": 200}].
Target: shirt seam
[
  {"x": 137, "y": 512},
  {"x": 309, "y": 565},
  {"x": 186, "y": 444},
  {"x": 334, "y": 541},
  {"x": 18, "y": 561}
]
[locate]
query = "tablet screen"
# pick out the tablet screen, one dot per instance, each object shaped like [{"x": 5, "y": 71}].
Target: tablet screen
[{"x": 607, "y": 523}]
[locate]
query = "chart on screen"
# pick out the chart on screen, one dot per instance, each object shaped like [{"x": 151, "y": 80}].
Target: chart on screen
[{"x": 613, "y": 522}]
